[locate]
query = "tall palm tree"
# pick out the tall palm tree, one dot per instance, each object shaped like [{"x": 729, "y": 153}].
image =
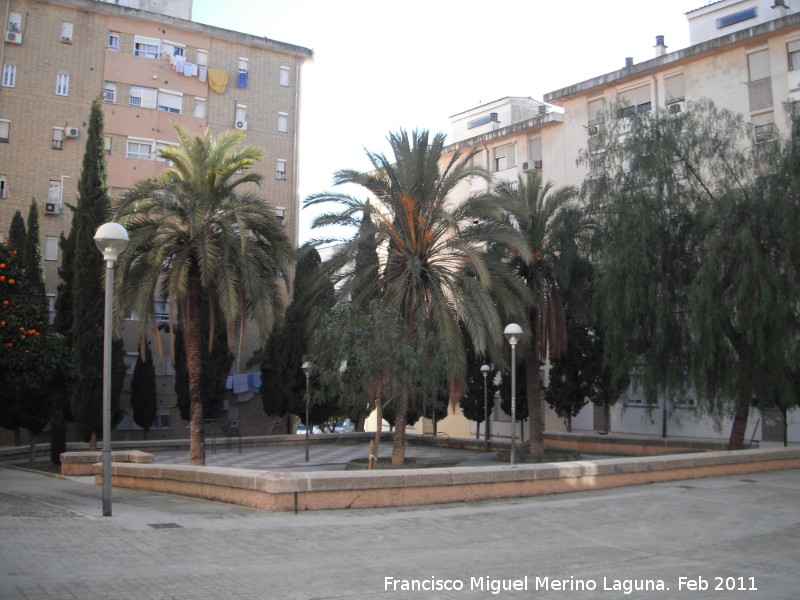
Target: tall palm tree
[
  {"x": 551, "y": 226},
  {"x": 426, "y": 244},
  {"x": 198, "y": 228}
]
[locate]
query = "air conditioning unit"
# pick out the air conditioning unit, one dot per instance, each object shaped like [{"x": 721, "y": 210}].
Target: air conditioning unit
[
  {"x": 51, "y": 208},
  {"x": 526, "y": 166},
  {"x": 241, "y": 124},
  {"x": 72, "y": 132},
  {"x": 13, "y": 37},
  {"x": 674, "y": 108}
]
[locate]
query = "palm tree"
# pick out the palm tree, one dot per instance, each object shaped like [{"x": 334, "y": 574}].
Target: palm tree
[
  {"x": 426, "y": 244},
  {"x": 551, "y": 226},
  {"x": 198, "y": 229}
]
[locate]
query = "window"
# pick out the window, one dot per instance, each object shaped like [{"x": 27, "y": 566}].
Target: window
[
  {"x": 58, "y": 138},
  {"x": 5, "y": 130},
  {"x": 3, "y": 187},
  {"x": 54, "y": 192},
  {"x": 535, "y": 152},
  {"x": 241, "y": 81},
  {"x": 200, "y": 108},
  {"x": 66, "y": 33},
  {"x": 169, "y": 101},
  {"x": 107, "y": 144},
  {"x": 160, "y": 146},
  {"x": 9, "y": 75},
  {"x": 173, "y": 49},
  {"x": 283, "y": 76},
  {"x": 793, "y": 49},
  {"x": 635, "y": 394},
  {"x": 146, "y": 47},
  {"x": 50, "y": 248},
  {"x": 109, "y": 92},
  {"x": 760, "y": 85},
  {"x": 674, "y": 88},
  {"x": 139, "y": 150},
  {"x": 161, "y": 310},
  {"x": 144, "y": 97},
  {"x": 51, "y": 308},
  {"x": 479, "y": 159},
  {"x": 635, "y": 100},
  {"x": 163, "y": 419},
  {"x": 505, "y": 157},
  {"x": 764, "y": 128},
  {"x": 596, "y": 108},
  {"x": 283, "y": 122},
  {"x": 113, "y": 42},
  {"x": 202, "y": 58},
  {"x": 280, "y": 213},
  {"x": 758, "y": 64},
  {"x": 14, "y": 22},
  {"x": 62, "y": 84},
  {"x": 280, "y": 169}
]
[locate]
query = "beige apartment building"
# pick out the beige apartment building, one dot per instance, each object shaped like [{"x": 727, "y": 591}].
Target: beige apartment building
[
  {"x": 151, "y": 66},
  {"x": 744, "y": 55}
]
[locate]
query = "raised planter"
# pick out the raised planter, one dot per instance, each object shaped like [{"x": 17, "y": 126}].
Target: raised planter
[
  {"x": 405, "y": 487},
  {"x": 83, "y": 463}
]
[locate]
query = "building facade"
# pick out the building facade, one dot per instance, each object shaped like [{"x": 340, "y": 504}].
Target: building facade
[
  {"x": 152, "y": 67},
  {"x": 745, "y": 56}
]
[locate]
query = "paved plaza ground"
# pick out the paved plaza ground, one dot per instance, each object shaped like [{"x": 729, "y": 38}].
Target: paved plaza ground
[{"x": 740, "y": 532}]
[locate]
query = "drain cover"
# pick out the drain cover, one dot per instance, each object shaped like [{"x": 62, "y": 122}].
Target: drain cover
[{"x": 164, "y": 525}]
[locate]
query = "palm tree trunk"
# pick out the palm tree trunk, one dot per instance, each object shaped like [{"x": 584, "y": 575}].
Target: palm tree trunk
[
  {"x": 399, "y": 441},
  {"x": 739, "y": 427},
  {"x": 197, "y": 450},
  {"x": 535, "y": 421}
]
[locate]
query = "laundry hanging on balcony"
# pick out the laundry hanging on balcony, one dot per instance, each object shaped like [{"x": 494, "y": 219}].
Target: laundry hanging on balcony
[{"x": 218, "y": 80}]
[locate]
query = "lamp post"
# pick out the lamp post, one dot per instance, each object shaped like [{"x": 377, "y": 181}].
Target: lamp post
[
  {"x": 306, "y": 368},
  {"x": 485, "y": 371},
  {"x": 513, "y": 333},
  {"x": 111, "y": 239}
]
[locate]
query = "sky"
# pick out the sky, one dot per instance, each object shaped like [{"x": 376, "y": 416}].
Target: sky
[{"x": 381, "y": 66}]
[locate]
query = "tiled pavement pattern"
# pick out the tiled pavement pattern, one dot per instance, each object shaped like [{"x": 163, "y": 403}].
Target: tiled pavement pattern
[
  {"x": 322, "y": 456},
  {"x": 54, "y": 545}
]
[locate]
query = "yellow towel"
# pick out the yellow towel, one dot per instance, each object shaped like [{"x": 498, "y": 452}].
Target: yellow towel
[{"x": 217, "y": 80}]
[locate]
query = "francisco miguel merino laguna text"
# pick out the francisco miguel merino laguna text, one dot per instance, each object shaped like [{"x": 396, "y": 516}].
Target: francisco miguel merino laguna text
[{"x": 496, "y": 586}]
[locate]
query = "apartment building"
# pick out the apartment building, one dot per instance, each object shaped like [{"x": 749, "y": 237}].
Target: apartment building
[
  {"x": 152, "y": 67},
  {"x": 745, "y": 56}
]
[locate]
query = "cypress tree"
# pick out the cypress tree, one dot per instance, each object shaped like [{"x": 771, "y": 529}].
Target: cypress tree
[
  {"x": 16, "y": 233},
  {"x": 88, "y": 289},
  {"x": 62, "y": 321},
  {"x": 143, "y": 390},
  {"x": 32, "y": 261}
]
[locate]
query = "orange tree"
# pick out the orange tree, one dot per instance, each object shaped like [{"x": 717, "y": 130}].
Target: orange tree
[{"x": 33, "y": 359}]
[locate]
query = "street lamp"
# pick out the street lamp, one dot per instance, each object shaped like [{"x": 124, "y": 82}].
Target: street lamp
[
  {"x": 513, "y": 333},
  {"x": 306, "y": 368},
  {"x": 111, "y": 239},
  {"x": 485, "y": 371}
]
